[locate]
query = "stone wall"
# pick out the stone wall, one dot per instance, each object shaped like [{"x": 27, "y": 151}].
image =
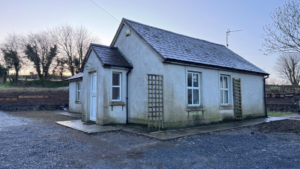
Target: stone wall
[
  {"x": 284, "y": 102},
  {"x": 33, "y": 100}
]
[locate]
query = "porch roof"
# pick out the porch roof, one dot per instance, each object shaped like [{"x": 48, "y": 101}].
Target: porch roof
[
  {"x": 111, "y": 56},
  {"x": 75, "y": 77}
]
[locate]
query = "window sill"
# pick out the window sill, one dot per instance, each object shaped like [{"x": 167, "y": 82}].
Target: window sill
[
  {"x": 77, "y": 102},
  {"x": 194, "y": 108},
  {"x": 117, "y": 103},
  {"x": 226, "y": 107}
]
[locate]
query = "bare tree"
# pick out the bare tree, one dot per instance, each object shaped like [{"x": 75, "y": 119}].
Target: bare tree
[
  {"x": 83, "y": 38},
  {"x": 283, "y": 34},
  {"x": 288, "y": 67},
  {"x": 41, "y": 51},
  {"x": 73, "y": 42},
  {"x": 60, "y": 67},
  {"x": 11, "y": 49}
]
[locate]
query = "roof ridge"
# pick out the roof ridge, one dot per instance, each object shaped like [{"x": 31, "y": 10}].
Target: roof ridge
[
  {"x": 111, "y": 47},
  {"x": 173, "y": 32}
]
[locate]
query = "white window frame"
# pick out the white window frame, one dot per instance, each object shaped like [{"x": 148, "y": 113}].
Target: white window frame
[
  {"x": 118, "y": 86},
  {"x": 78, "y": 91},
  {"x": 222, "y": 89},
  {"x": 189, "y": 87}
]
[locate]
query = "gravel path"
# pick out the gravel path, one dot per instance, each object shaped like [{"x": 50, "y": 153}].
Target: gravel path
[{"x": 33, "y": 140}]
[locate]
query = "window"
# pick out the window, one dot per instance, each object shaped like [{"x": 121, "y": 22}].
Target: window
[
  {"x": 224, "y": 89},
  {"x": 116, "y": 86},
  {"x": 78, "y": 89},
  {"x": 193, "y": 88}
]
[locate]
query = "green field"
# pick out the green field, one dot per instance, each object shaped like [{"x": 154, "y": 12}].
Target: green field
[
  {"x": 278, "y": 113},
  {"x": 33, "y": 85}
]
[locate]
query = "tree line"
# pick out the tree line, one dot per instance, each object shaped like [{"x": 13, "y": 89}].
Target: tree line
[
  {"x": 52, "y": 51},
  {"x": 283, "y": 36}
]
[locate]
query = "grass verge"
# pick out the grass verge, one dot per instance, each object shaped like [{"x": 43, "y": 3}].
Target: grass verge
[
  {"x": 278, "y": 113},
  {"x": 33, "y": 85}
]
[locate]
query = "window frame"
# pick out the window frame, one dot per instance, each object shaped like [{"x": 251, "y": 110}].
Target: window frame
[
  {"x": 116, "y": 86},
  {"x": 222, "y": 89},
  {"x": 192, "y": 88},
  {"x": 78, "y": 91}
]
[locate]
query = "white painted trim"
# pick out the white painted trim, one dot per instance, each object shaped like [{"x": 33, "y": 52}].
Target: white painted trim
[
  {"x": 221, "y": 89},
  {"x": 199, "y": 88},
  {"x": 119, "y": 86},
  {"x": 78, "y": 91},
  {"x": 90, "y": 88}
]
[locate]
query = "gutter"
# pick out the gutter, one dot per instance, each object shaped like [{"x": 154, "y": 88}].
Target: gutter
[
  {"x": 265, "y": 99},
  {"x": 127, "y": 95},
  {"x": 73, "y": 80},
  {"x": 207, "y": 66}
]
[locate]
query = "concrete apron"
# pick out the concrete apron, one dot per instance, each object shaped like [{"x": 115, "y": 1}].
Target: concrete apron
[
  {"x": 87, "y": 128},
  {"x": 65, "y": 113},
  {"x": 172, "y": 133}
]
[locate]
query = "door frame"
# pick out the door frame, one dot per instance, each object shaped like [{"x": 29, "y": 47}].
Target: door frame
[{"x": 89, "y": 96}]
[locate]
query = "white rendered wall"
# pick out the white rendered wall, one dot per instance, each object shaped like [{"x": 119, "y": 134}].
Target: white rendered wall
[
  {"x": 146, "y": 61},
  {"x": 74, "y": 106},
  {"x": 106, "y": 114}
]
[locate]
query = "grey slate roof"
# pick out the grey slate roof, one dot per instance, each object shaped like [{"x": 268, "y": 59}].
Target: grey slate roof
[
  {"x": 77, "y": 76},
  {"x": 111, "y": 56},
  {"x": 187, "y": 49}
]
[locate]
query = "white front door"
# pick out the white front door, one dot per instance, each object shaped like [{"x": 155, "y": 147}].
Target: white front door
[{"x": 93, "y": 96}]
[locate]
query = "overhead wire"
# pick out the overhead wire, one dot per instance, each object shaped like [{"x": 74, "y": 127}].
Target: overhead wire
[{"x": 104, "y": 10}]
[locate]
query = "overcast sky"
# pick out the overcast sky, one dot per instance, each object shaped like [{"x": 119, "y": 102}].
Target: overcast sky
[{"x": 203, "y": 19}]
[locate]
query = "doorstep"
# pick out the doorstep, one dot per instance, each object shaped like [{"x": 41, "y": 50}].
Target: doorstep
[
  {"x": 65, "y": 113},
  {"x": 87, "y": 128}
]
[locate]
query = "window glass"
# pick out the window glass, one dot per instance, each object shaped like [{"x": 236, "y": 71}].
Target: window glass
[
  {"x": 226, "y": 96},
  {"x": 221, "y": 82},
  {"x": 78, "y": 96},
  {"x": 224, "y": 89},
  {"x": 116, "y": 93},
  {"x": 225, "y": 82},
  {"x": 116, "y": 86},
  {"x": 195, "y": 96},
  {"x": 78, "y": 91},
  {"x": 195, "y": 80},
  {"x": 222, "y": 101},
  {"x": 78, "y": 86},
  {"x": 116, "y": 79},
  {"x": 190, "y": 79},
  {"x": 193, "y": 89},
  {"x": 190, "y": 96}
]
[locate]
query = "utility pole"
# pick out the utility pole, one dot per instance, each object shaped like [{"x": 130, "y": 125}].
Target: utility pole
[{"x": 227, "y": 34}]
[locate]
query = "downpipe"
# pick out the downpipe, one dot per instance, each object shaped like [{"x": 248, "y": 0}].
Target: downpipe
[
  {"x": 265, "y": 98},
  {"x": 127, "y": 95}
]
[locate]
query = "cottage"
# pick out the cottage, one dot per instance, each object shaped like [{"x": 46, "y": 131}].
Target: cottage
[
  {"x": 163, "y": 79},
  {"x": 75, "y": 93}
]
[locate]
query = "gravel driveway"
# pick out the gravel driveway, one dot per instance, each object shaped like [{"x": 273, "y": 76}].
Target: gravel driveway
[{"x": 33, "y": 140}]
